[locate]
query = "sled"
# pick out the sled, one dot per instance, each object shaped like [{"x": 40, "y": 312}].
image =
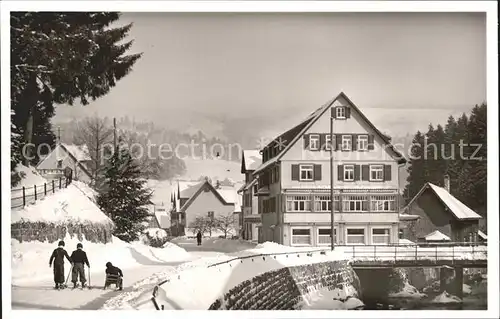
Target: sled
[{"x": 113, "y": 280}]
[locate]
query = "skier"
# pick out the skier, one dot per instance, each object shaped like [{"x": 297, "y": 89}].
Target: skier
[
  {"x": 79, "y": 258},
  {"x": 113, "y": 271},
  {"x": 58, "y": 258},
  {"x": 198, "y": 238}
]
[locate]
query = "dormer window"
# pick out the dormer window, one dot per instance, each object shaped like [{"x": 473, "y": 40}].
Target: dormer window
[
  {"x": 314, "y": 142},
  {"x": 340, "y": 112}
]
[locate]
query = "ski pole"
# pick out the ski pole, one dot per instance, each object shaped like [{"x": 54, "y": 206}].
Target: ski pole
[
  {"x": 89, "y": 278},
  {"x": 67, "y": 278}
]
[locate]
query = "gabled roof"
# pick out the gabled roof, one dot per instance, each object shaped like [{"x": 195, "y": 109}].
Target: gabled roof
[
  {"x": 78, "y": 162},
  {"x": 199, "y": 189},
  {"x": 190, "y": 190},
  {"x": 437, "y": 236},
  {"x": 459, "y": 210},
  {"x": 80, "y": 152},
  {"x": 250, "y": 160},
  {"x": 290, "y": 137}
]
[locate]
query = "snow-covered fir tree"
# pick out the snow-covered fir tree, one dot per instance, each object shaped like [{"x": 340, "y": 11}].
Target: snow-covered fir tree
[
  {"x": 60, "y": 58},
  {"x": 125, "y": 196}
]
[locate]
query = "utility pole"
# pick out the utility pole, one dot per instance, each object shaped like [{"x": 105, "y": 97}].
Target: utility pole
[
  {"x": 332, "y": 212},
  {"x": 59, "y": 135}
]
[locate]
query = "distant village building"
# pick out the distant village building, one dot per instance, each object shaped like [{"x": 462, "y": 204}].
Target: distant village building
[
  {"x": 64, "y": 157},
  {"x": 202, "y": 199},
  {"x": 250, "y": 218},
  {"x": 294, "y": 181},
  {"x": 436, "y": 215}
]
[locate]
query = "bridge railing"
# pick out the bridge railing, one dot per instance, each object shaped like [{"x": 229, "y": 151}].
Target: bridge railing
[{"x": 415, "y": 252}]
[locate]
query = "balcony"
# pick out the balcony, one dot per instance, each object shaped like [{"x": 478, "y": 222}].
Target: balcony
[
  {"x": 324, "y": 217},
  {"x": 253, "y": 218}
]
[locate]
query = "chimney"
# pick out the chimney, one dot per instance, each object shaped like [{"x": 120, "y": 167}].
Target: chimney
[{"x": 447, "y": 183}]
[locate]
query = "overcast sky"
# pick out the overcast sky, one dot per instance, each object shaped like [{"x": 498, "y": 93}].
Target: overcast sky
[{"x": 260, "y": 73}]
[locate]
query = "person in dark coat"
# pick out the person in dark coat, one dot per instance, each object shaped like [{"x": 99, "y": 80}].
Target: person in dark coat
[
  {"x": 114, "y": 271},
  {"x": 58, "y": 258},
  {"x": 79, "y": 258},
  {"x": 198, "y": 238}
]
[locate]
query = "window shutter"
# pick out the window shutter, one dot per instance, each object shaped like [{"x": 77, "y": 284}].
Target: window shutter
[
  {"x": 387, "y": 172},
  {"x": 334, "y": 142},
  {"x": 371, "y": 146},
  {"x": 354, "y": 142},
  {"x": 347, "y": 112},
  {"x": 306, "y": 141},
  {"x": 322, "y": 141},
  {"x": 334, "y": 112},
  {"x": 295, "y": 172},
  {"x": 340, "y": 172},
  {"x": 317, "y": 172},
  {"x": 338, "y": 142},
  {"x": 365, "y": 172},
  {"x": 357, "y": 172}
]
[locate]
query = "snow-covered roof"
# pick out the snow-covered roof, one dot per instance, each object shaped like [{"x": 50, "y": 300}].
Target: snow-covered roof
[
  {"x": 459, "y": 209},
  {"x": 482, "y": 235},
  {"x": 252, "y": 159},
  {"x": 404, "y": 241},
  {"x": 190, "y": 190},
  {"x": 80, "y": 152},
  {"x": 437, "y": 236},
  {"x": 408, "y": 217}
]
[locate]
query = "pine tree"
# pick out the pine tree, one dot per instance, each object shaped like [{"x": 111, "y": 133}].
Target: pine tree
[
  {"x": 478, "y": 156},
  {"x": 417, "y": 168},
  {"x": 58, "y": 57},
  {"x": 125, "y": 197}
]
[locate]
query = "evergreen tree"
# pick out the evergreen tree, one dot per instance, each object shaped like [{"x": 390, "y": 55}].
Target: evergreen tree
[
  {"x": 58, "y": 57},
  {"x": 477, "y": 159},
  {"x": 435, "y": 162},
  {"x": 125, "y": 197},
  {"x": 416, "y": 178}
]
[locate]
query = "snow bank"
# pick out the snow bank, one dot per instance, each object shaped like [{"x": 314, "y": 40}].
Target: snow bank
[
  {"x": 157, "y": 233},
  {"x": 408, "y": 291},
  {"x": 446, "y": 298},
  {"x": 73, "y": 204},
  {"x": 201, "y": 286},
  {"x": 28, "y": 257},
  {"x": 336, "y": 299},
  {"x": 467, "y": 290}
]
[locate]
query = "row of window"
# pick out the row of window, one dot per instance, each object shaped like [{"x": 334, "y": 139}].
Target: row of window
[
  {"x": 354, "y": 236},
  {"x": 346, "y": 173},
  {"x": 342, "y": 142},
  {"x": 350, "y": 203}
]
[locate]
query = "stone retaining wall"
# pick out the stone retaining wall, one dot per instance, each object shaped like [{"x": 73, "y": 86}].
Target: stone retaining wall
[{"x": 284, "y": 289}]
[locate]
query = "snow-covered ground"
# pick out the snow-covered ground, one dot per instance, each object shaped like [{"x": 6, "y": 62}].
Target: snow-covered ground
[
  {"x": 139, "y": 279},
  {"x": 30, "y": 179},
  {"x": 228, "y": 271},
  {"x": 30, "y": 260},
  {"x": 73, "y": 204},
  {"x": 446, "y": 298}
]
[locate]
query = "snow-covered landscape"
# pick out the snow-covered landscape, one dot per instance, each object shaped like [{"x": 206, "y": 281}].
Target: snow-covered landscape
[{"x": 249, "y": 161}]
